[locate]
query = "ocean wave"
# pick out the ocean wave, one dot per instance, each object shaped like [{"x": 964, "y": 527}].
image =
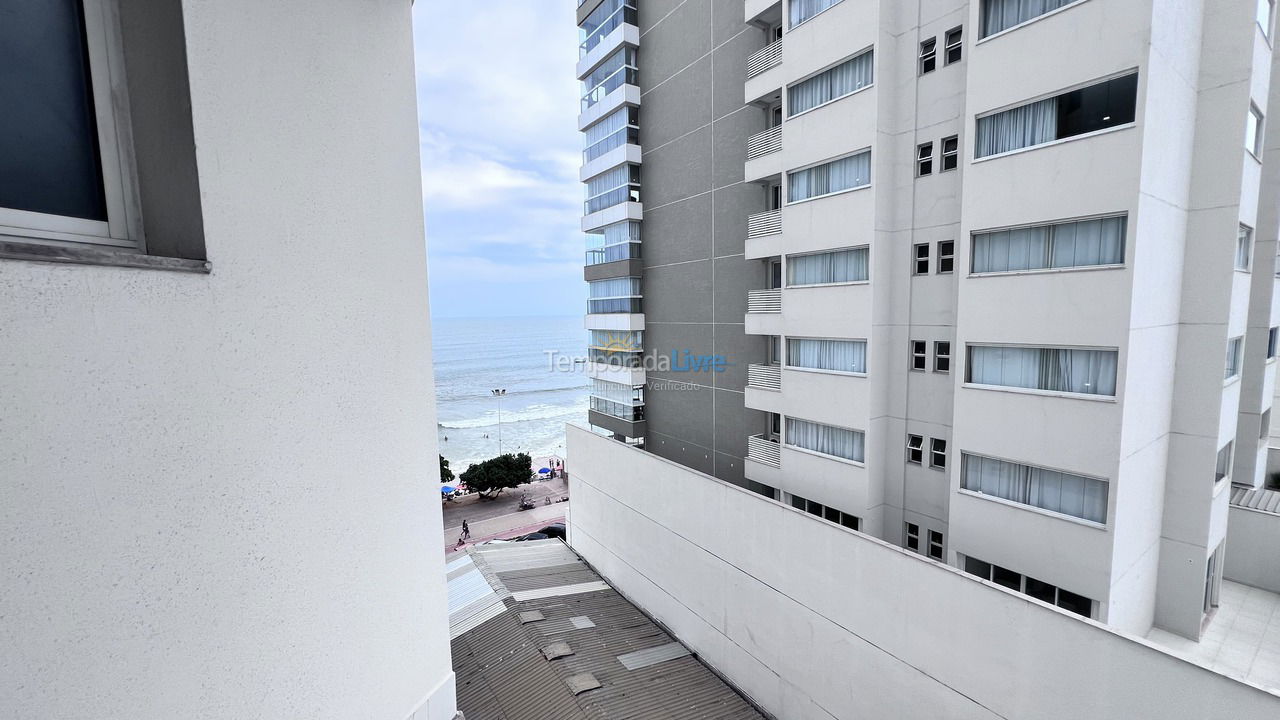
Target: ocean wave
[
  {"x": 583, "y": 387},
  {"x": 530, "y": 414}
]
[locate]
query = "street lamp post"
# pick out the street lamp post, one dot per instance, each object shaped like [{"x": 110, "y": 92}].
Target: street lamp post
[{"x": 499, "y": 393}]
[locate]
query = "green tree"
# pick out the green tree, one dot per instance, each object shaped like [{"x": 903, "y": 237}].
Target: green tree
[
  {"x": 446, "y": 475},
  {"x": 494, "y": 475}
]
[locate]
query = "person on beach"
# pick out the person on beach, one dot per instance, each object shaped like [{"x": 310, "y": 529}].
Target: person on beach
[{"x": 466, "y": 530}]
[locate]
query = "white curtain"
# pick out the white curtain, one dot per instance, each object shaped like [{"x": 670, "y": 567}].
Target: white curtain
[
  {"x": 843, "y": 174},
  {"x": 1051, "y": 490},
  {"x": 825, "y": 439},
  {"x": 832, "y": 267},
  {"x": 1073, "y": 244},
  {"x": 826, "y": 86},
  {"x": 1018, "y": 128},
  {"x": 1091, "y": 372},
  {"x": 802, "y": 10},
  {"x": 606, "y": 129},
  {"x": 839, "y": 355},
  {"x": 1000, "y": 15}
]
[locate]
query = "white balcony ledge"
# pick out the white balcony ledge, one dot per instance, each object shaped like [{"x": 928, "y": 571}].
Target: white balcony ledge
[
  {"x": 610, "y": 160},
  {"x": 624, "y": 94},
  {"x": 613, "y": 214},
  {"x": 624, "y": 34}
]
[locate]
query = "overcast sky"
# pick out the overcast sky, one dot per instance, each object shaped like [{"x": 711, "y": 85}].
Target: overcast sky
[{"x": 497, "y": 106}]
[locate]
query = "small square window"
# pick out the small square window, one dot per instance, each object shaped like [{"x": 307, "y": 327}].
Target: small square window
[
  {"x": 1253, "y": 131},
  {"x": 954, "y": 44},
  {"x": 849, "y": 521},
  {"x": 946, "y": 256},
  {"x": 1244, "y": 247},
  {"x": 919, "y": 355},
  {"x": 950, "y": 153},
  {"x": 915, "y": 449},
  {"x": 922, "y": 259},
  {"x": 924, "y": 159},
  {"x": 938, "y": 454},
  {"x": 913, "y": 537},
  {"x": 942, "y": 356},
  {"x": 1233, "y": 357},
  {"x": 1264, "y": 424},
  {"x": 1273, "y": 336},
  {"x": 1006, "y": 577},
  {"x": 1223, "y": 468},
  {"x": 935, "y": 544},
  {"x": 974, "y": 566},
  {"x": 928, "y": 56},
  {"x": 831, "y": 514}
]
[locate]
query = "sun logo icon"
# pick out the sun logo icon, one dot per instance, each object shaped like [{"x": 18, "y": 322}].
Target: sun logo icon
[{"x": 614, "y": 343}]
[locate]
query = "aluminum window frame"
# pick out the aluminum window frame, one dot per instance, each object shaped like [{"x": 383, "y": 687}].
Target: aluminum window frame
[
  {"x": 927, "y": 59},
  {"x": 953, "y": 40},
  {"x": 924, "y": 159},
  {"x": 915, "y": 449}
]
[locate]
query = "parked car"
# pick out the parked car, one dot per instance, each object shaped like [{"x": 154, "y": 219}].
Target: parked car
[
  {"x": 555, "y": 530},
  {"x": 532, "y": 536}
]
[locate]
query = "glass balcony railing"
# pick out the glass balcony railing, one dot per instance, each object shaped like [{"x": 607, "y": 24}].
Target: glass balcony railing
[
  {"x": 604, "y": 20},
  {"x": 622, "y": 411}
]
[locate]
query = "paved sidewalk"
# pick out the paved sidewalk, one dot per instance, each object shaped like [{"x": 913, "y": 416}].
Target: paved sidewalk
[{"x": 484, "y": 531}]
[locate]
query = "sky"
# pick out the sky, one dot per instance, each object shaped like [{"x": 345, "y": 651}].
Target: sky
[{"x": 497, "y": 114}]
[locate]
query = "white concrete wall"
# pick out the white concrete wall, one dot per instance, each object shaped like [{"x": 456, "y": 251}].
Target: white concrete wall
[
  {"x": 217, "y": 491},
  {"x": 1252, "y": 537},
  {"x": 814, "y": 621}
]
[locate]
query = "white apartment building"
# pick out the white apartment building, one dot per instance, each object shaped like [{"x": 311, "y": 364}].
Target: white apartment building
[
  {"x": 1011, "y": 272},
  {"x": 217, "y": 420}
]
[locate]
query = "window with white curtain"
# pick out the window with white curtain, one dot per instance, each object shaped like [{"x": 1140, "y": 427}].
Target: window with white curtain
[
  {"x": 1053, "y": 490},
  {"x": 1244, "y": 247},
  {"x": 846, "y": 78},
  {"x": 1068, "y": 370},
  {"x": 615, "y": 295},
  {"x": 826, "y": 439},
  {"x": 1233, "y": 356},
  {"x": 613, "y": 131},
  {"x": 619, "y": 241},
  {"x": 1000, "y": 15},
  {"x": 613, "y": 187},
  {"x": 846, "y": 173},
  {"x": 827, "y": 268},
  {"x": 1103, "y": 105},
  {"x": 1080, "y": 243},
  {"x": 837, "y": 355},
  {"x": 802, "y": 10}
]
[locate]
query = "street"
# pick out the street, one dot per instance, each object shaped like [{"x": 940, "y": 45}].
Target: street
[{"x": 502, "y": 517}]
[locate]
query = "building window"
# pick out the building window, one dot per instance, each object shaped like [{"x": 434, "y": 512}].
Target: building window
[
  {"x": 1264, "y": 424},
  {"x": 1065, "y": 370},
  {"x": 921, "y": 262},
  {"x": 935, "y": 544},
  {"x": 618, "y": 70},
  {"x": 1080, "y": 243},
  {"x": 828, "y": 268},
  {"x": 802, "y": 10},
  {"x": 913, "y": 537},
  {"x": 64, "y": 168},
  {"x": 928, "y": 56},
  {"x": 618, "y": 128},
  {"x": 915, "y": 449},
  {"x": 919, "y": 355},
  {"x": 937, "y": 453},
  {"x": 924, "y": 159},
  {"x": 618, "y": 400},
  {"x": 954, "y": 45},
  {"x": 845, "y": 173},
  {"x": 1042, "y": 591},
  {"x": 950, "y": 153},
  {"x": 942, "y": 356},
  {"x": 1222, "y": 469},
  {"x": 604, "y": 20},
  {"x": 615, "y": 295},
  {"x": 846, "y": 78},
  {"x": 946, "y": 256},
  {"x": 826, "y": 512},
  {"x": 1103, "y": 105},
  {"x": 1233, "y": 357},
  {"x": 1253, "y": 131},
  {"x": 837, "y": 355},
  {"x": 1053, "y": 490},
  {"x": 613, "y": 187},
  {"x": 1265, "y": 9},
  {"x": 1244, "y": 247},
  {"x": 826, "y": 439},
  {"x": 611, "y": 243},
  {"x": 1273, "y": 338},
  {"x": 616, "y": 347},
  {"x": 1000, "y": 15}
]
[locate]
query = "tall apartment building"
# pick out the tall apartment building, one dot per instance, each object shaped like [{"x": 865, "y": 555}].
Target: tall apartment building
[
  {"x": 217, "y": 419},
  {"x": 993, "y": 279}
]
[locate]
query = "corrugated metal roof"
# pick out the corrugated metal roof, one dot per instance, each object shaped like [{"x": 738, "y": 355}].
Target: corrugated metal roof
[
  {"x": 502, "y": 675},
  {"x": 1261, "y": 500}
]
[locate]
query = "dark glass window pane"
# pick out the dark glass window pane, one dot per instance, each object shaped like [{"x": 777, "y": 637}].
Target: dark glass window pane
[
  {"x": 973, "y": 566},
  {"x": 49, "y": 160},
  {"x": 1078, "y": 604},
  {"x": 1097, "y": 107},
  {"x": 1041, "y": 590},
  {"x": 849, "y": 521},
  {"x": 797, "y": 502},
  {"x": 1007, "y": 578}
]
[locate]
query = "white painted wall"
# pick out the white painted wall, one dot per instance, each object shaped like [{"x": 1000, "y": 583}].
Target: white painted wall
[
  {"x": 814, "y": 621},
  {"x": 217, "y": 492},
  {"x": 1251, "y": 539}
]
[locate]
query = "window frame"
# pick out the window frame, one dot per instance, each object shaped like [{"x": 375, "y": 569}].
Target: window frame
[
  {"x": 1273, "y": 342},
  {"x": 917, "y": 258},
  {"x": 1244, "y": 248},
  {"x": 1124, "y": 248},
  {"x": 937, "y": 454},
  {"x": 947, "y": 258},
  {"x": 786, "y": 179},
  {"x": 1219, "y": 474},
  {"x": 949, "y": 45},
  {"x": 969, "y": 383},
  {"x": 919, "y": 355},
  {"x": 1234, "y": 359},
  {"x": 938, "y": 543},
  {"x": 122, "y": 230},
  {"x": 915, "y": 449},
  {"x": 911, "y": 532},
  {"x": 927, "y": 58},
  {"x": 939, "y": 355},
  {"x": 951, "y": 156},
  {"x": 924, "y": 159},
  {"x": 1257, "y": 123}
]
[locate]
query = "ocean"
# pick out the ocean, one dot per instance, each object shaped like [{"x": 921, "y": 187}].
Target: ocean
[{"x": 473, "y": 356}]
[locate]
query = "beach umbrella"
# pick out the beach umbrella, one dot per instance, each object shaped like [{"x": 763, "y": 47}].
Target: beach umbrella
[
  {"x": 544, "y": 470},
  {"x": 446, "y": 489}
]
